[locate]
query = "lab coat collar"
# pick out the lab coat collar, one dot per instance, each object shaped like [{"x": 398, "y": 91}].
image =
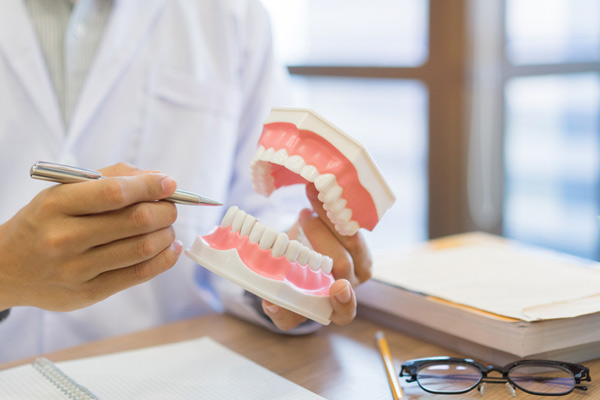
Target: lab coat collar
[
  {"x": 21, "y": 49},
  {"x": 130, "y": 23}
]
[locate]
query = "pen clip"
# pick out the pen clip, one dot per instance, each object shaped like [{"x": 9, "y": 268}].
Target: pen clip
[{"x": 61, "y": 173}]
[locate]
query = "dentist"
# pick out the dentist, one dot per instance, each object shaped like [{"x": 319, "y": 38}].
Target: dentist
[{"x": 178, "y": 86}]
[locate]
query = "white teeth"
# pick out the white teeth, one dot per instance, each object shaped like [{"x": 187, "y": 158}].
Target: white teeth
[
  {"x": 268, "y": 238},
  {"x": 247, "y": 225},
  {"x": 294, "y": 164},
  {"x": 326, "y": 264},
  {"x": 256, "y": 232},
  {"x": 293, "y": 250},
  {"x": 330, "y": 193},
  {"x": 314, "y": 260},
  {"x": 279, "y": 157},
  {"x": 303, "y": 255},
  {"x": 310, "y": 173},
  {"x": 324, "y": 182},
  {"x": 280, "y": 244},
  {"x": 238, "y": 220},
  {"x": 229, "y": 216}
]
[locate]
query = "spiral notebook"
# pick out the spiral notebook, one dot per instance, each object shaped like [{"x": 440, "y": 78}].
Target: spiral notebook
[{"x": 194, "y": 369}]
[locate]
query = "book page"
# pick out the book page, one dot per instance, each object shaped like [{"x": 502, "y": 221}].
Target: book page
[
  {"x": 194, "y": 369},
  {"x": 499, "y": 277}
]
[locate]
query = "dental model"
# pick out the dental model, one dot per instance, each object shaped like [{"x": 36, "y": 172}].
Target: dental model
[
  {"x": 268, "y": 264},
  {"x": 296, "y": 147}
]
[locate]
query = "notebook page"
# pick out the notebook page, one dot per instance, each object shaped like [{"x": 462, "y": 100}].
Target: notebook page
[
  {"x": 195, "y": 369},
  {"x": 25, "y": 383}
]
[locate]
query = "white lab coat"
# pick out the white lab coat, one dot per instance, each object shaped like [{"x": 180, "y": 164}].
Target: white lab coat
[{"x": 179, "y": 86}]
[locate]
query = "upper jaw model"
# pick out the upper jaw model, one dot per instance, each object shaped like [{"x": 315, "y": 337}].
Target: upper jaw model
[{"x": 296, "y": 146}]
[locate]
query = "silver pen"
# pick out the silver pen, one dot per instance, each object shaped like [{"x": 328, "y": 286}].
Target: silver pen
[{"x": 60, "y": 173}]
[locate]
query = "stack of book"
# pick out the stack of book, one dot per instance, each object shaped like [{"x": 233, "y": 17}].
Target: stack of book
[{"x": 489, "y": 298}]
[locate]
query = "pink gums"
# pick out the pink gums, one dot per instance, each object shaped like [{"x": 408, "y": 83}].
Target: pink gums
[
  {"x": 263, "y": 263},
  {"x": 317, "y": 151}
]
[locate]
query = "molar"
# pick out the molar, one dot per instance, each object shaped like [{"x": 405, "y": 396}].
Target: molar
[
  {"x": 310, "y": 173},
  {"x": 334, "y": 193},
  {"x": 324, "y": 182},
  {"x": 294, "y": 163},
  {"x": 279, "y": 157}
]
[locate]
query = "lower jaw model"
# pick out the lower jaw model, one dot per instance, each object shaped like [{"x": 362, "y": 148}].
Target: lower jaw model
[
  {"x": 296, "y": 146},
  {"x": 268, "y": 264}
]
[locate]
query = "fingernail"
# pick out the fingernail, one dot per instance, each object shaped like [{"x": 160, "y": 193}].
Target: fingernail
[
  {"x": 344, "y": 295},
  {"x": 272, "y": 308},
  {"x": 177, "y": 246},
  {"x": 168, "y": 184}
]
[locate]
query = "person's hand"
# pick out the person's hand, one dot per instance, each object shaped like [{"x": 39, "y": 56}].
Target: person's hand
[
  {"x": 352, "y": 264},
  {"x": 76, "y": 244}
]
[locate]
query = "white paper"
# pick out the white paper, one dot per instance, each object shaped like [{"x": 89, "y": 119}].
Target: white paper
[
  {"x": 195, "y": 369},
  {"x": 497, "y": 277}
]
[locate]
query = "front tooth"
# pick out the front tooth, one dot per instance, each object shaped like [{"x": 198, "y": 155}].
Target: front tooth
[
  {"x": 268, "y": 154},
  {"x": 240, "y": 216},
  {"x": 279, "y": 157},
  {"x": 229, "y": 216},
  {"x": 256, "y": 232},
  {"x": 294, "y": 164},
  {"x": 310, "y": 173},
  {"x": 280, "y": 244},
  {"x": 324, "y": 182},
  {"x": 247, "y": 225},
  {"x": 326, "y": 264},
  {"x": 303, "y": 255},
  {"x": 314, "y": 260},
  {"x": 267, "y": 239},
  {"x": 292, "y": 251}
]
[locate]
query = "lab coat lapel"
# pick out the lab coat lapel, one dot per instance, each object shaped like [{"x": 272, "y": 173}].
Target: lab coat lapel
[
  {"x": 128, "y": 27},
  {"x": 22, "y": 52}
]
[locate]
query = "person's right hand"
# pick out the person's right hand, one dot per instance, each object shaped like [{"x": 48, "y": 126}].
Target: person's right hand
[{"x": 76, "y": 244}]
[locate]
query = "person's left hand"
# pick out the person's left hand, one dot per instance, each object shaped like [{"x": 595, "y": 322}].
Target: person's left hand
[{"x": 352, "y": 264}]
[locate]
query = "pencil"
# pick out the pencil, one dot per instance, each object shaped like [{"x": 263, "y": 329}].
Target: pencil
[{"x": 386, "y": 356}]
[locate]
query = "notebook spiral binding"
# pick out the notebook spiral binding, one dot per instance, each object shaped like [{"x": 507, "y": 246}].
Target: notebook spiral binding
[{"x": 63, "y": 382}]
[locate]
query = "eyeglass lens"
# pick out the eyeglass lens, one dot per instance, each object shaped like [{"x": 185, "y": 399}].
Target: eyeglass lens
[
  {"x": 542, "y": 379},
  {"x": 448, "y": 377}
]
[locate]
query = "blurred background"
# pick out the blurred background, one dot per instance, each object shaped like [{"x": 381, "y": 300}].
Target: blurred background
[{"x": 482, "y": 115}]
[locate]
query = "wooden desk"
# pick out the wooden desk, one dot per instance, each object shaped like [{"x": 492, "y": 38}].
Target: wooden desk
[{"x": 336, "y": 362}]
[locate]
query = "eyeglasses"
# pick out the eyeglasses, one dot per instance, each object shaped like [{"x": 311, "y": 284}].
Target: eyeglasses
[{"x": 445, "y": 375}]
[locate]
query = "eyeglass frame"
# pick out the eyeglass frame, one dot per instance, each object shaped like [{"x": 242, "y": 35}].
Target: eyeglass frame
[{"x": 411, "y": 367}]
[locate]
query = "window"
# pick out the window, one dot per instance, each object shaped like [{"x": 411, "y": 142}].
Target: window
[{"x": 482, "y": 115}]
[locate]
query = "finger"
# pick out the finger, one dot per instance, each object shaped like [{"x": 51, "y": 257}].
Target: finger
[
  {"x": 111, "y": 282},
  {"x": 126, "y": 252},
  {"x": 122, "y": 169},
  {"x": 355, "y": 244},
  {"x": 282, "y": 318},
  {"x": 343, "y": 302},
  {"x": 113, "y": 193},
  {"x": 134, "y": 220},
  {"x": 323, "y": 241}
]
